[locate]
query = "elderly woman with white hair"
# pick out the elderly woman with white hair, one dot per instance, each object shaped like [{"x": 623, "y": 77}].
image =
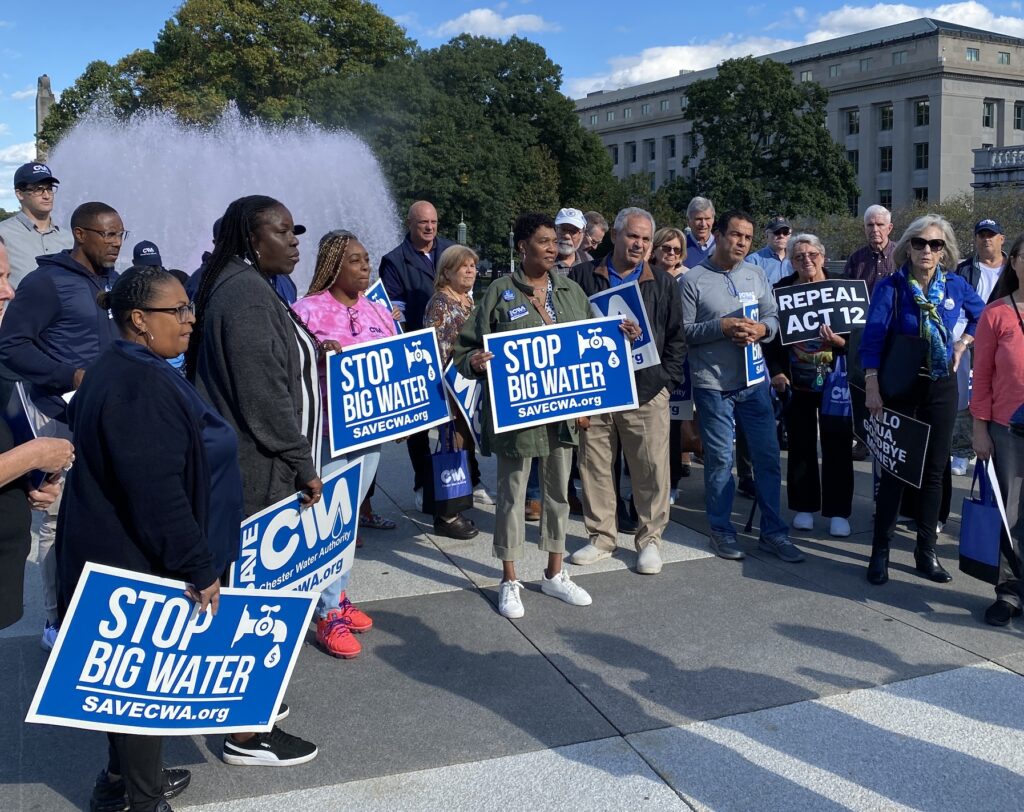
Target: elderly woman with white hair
[
  {"x": 922, "y": 299},
  {"x": 803, "y": 368}
]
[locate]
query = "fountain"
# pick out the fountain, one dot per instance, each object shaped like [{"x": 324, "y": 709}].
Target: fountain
[{"x": 169, "y": 181}]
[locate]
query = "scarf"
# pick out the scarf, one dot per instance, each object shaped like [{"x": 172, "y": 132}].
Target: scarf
[{"x": 932, "y": 328}]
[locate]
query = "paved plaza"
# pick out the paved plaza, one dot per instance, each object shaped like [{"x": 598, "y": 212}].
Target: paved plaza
[{"x": 752, "y": 685}]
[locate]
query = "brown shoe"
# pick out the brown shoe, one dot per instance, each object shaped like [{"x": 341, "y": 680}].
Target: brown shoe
[{"x": 533, "y": 510}]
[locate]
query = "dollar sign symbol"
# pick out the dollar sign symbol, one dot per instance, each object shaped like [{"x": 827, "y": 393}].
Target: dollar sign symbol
[{"x": 273, "y": 656}]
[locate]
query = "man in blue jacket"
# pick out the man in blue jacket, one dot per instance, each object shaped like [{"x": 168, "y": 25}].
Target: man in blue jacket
[
  {"x": 408, "y": 275},
  {"x": 50, "y": 334}
]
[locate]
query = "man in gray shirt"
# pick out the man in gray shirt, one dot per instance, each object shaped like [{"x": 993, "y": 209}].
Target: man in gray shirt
[
  {"x": 728, "y": 312},
  {"x": 31, "y": 232}
]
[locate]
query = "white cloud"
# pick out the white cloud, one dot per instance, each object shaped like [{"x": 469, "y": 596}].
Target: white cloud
[
  {"x": 483, "y": 22},
  {"x": 18, "y": 154},
  {"x": 662, "y": 62},
  {"x": 27, "y": 93},
  {"x": 4, "y": 128}
]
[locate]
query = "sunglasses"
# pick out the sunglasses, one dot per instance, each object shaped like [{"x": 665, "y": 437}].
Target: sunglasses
[
  {"x": 918, "y": 244},
  {"x": 782, "y": 232}
]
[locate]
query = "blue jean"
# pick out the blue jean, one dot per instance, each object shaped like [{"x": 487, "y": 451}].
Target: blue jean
[
  {"x": 751, "y": 409},
  {"x": 330, "y": 595}
]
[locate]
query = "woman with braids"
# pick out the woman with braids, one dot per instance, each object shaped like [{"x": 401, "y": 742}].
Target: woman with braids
[
  {"x": 339, "y": 315},
  {"x": 155, "y": 489},
  {"x": 255, "y": 362}
]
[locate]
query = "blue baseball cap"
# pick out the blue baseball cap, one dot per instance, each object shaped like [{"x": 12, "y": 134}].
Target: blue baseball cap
[
  {"x": 146, "y": 253},
  {"x": 988, "y": 225},
  {"x": 34, "y": 172}
]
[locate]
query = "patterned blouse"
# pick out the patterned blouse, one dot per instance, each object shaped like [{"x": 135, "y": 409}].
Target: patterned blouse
[{"x": 446, "y": 316}]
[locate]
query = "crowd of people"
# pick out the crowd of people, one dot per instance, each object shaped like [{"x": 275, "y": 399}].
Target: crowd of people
[{"x": 199, "y": 399}]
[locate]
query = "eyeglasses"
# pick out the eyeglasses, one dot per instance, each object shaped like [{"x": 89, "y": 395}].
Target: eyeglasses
[
  {"x": 782, "y": 232},
  {"x": 918, "y": 244},
  {"x": 810, "y": 256},
  {"x": 108, "y": 236},
  {"x": 182, "y": 313},
  {"x": 671, "y": 249},
  {"x": 353, "y": 321},
  {"x": 37, "y": 191}
]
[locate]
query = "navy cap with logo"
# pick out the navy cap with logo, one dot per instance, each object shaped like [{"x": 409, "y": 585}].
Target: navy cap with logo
[
  {"x": 988, "y": 224},
  {"x": 777, "y": 224},
  {"x": 146, "y": 253},
  {"x": 33, "y": 173}
]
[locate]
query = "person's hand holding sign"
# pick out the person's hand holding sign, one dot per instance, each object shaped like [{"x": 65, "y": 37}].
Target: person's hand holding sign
[
  {"x": 205, "y": 598},
  {"x": 310, "y": 493},
  {"x": 743, "y": 331},
  {"x": 478, "y": 360},
  {"x": 330, "y": 345},
  {"x": 873, "y": 398},
  {"x": 631, "y": 329},
  {"x": 832, "y": 338},
  {"x": 780, "y": 382}
]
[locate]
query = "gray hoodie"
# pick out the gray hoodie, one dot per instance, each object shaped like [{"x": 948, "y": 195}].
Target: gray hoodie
[{"x": 708, "y": 297}]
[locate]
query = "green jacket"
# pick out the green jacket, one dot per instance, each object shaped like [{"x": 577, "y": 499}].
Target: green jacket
[{"x": 491, "y": 315}]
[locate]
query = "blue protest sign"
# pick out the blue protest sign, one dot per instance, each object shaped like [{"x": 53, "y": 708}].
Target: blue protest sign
[
  {"x": 558, "y": 372},
  {"x": 287, "y": 546},
  {"x": 384, "y": 390},
  {"x": 625, "y": 301},
  {"x": 752, "y": 353},
  {"x": 467, "y": 394},
  {"x": 133, "y": 656},
  {"x": 376, "y": 293},
  {"x": 680, "y": 400}
]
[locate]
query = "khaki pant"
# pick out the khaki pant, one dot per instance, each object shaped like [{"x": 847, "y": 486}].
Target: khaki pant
[
  {"x": 643, "y": 433},
  {"x": 510, "y": 527},
  {"x": 47, "y": 558}
]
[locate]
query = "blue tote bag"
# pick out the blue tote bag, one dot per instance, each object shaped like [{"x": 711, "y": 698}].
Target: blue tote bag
[
  {"x": 981, "y": 529},
  {"x": 836, "y": 407},
  {"x": 453, "y": 488}
]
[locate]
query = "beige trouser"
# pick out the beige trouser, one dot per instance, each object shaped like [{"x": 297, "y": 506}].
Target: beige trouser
[
  {"x": 48, "y": 560},
  {"x": 510, "y": 527},
  {"x": 643, "y": 433}
]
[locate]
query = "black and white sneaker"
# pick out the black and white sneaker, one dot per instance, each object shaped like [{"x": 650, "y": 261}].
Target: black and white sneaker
[
  {"x": 282, "y": 712},
  {"x": 273, "y": 749}
]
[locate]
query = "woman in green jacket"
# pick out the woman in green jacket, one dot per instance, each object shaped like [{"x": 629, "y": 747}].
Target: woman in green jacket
[{"x": 531, "y": 297}]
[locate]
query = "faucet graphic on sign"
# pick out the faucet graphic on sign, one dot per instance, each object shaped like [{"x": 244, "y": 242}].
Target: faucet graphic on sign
[
  {"x": 417, "y": 355},
  {"x": 596, "y": 341},
  {"x": 261, "y": 627}
]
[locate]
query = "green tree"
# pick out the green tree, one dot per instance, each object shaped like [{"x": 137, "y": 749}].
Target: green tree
[{"x": 760, "y": 142}]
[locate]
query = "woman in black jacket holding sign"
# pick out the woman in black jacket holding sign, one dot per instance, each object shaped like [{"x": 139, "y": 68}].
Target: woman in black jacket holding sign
[
  {"x": 803, "y": 368},
  {"x": 155, "y": 489}
]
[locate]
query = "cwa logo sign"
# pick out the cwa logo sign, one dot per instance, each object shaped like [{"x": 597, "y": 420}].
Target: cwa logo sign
[{"x": 453, "y": 476}]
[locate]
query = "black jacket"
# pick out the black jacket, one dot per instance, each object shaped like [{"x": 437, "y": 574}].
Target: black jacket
[
  {"x": 664, "y": 307},
  {"x": 53, "y": 327},
  {"x": 138, "y": 494},
  {"x": 408, "y": 278}
]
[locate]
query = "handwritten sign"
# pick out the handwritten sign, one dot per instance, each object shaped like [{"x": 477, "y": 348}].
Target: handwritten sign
[
  {"x": 286, "y": 546},
  {"x": 384, "y": 390},
  {"x": 896, "y": 441},
  {"x": 376, "y": 293},
  {"x": 133, "y": 656},
  {"x": 468, "y": 395},
  {"x": 557, "y": 372},
  {"x": 625, "y": 301},
  {"x": 842, "y": 304}
]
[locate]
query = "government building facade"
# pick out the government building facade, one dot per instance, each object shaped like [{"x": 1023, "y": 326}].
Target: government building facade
[{"x": 908, "y": 103}]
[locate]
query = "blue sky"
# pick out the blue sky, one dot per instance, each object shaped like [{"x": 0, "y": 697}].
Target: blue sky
[{"x": 596, "y": 45}]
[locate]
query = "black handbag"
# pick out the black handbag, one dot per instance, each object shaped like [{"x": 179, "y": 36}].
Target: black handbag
[{"x": 902, "y": 359}]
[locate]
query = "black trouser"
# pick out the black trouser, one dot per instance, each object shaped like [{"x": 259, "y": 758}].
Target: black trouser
[
  {"x": 934, "y": 403},
  {"x": 832, "y": 492},
  {"x": 1008, "y": 458},
  {"x": 139, "y": 760}
]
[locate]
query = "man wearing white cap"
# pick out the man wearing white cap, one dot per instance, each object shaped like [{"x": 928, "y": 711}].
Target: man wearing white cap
[{"x": 569, "y": 228}]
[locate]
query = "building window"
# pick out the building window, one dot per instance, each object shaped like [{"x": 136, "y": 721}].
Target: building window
[
  {"x": 627, "y": 112},
  {"x": 885, "y": 198},
  {"x": 805, "y": 76},
  {"x": 853, "y": 156},
  {"x": 885, "y": 159},
  {"x": 682, "y": 102},
  {"x": 1004, "y": 57},
  {"x": 852, "y": 122},
  {"x": 650, "y": 150},
  {"x": 885, "y": 117},
  {"x": 1018, "y": 116},
  {"x": 865, "y": 64},
  {"x": 922, "y": 113},
  {"x": 670, "y": 146},
  {"x": 663, "y": 104},
  {"x": 593, "y": 118},
  {"x": 921, "y": 155},
  {"x": 899, "y": 57},
  {"x": 609, "y": 116},
  {"x": 833, "y": 71},
  {"x": 645, "y": 109},
  {"x": 988, "y": 114},
  {"x": 631, "y": 152},
  {"x": 921, "y": 194},
  {"x": 973, "y": 55},
  {"x": 671, "y": 174},
  {"x": 986, "y": 146},
  {"x": 615, "y": 154}
]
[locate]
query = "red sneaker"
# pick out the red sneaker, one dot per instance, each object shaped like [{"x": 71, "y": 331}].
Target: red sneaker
[
  {"x": 357, "y": 619},
  {"x": 334, "y": 633}
]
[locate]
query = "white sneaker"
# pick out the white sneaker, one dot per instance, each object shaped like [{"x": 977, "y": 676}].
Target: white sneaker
[
  {"x": 418, "y": 496},
  {"x": 589, "y": 554},
  {"x": 649, "y": 560},
  {"x": 839, "y": 527},
  {"x": 49, "y": 638},
  {"x": 675, "y": 497},
  {"x": 958, "y": 465},
  {"x": 509, "y": 604},
  {"x": 803, "y": 521},
  {"x": 562, "y": 587},
  {"x": 482, "y": 496}
]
